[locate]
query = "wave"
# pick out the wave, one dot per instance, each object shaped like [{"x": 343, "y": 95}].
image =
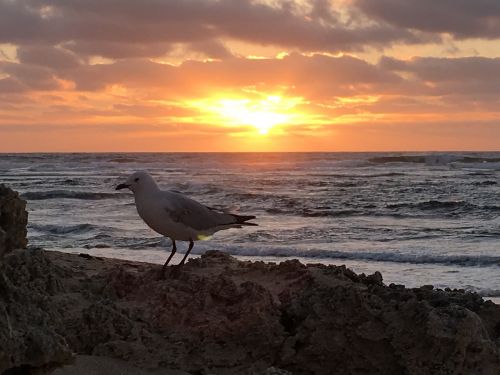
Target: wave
[
  {"x": 123, "y": 159},
  {"x": 388, "y": 174},
  {"x": 69, "y": 182},
  {"x": 481, "y": 165},
  {"x": 66, "y": 229},
  {"x": 491, "y": 208},
  {"x": 444, "y": 206},
  {"x": 486, "y": 292},
  {"x": 485, "y": 183},
  {"x": 398, "y": 159},
  {"x": 433, "y": 205},
  {"x": 318, "y": 212},
  {"x": 287, "y": 252},
  {"x": 330, "y": 213},
  {"x": 457, "y": 260},
  {"x": 437, "y": 159},
  {"x": 399, "y": 210},
  {"x": 68, "y": 194}
]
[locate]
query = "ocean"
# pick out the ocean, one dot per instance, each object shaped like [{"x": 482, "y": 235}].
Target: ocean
[{"x": 419, "y": 218}]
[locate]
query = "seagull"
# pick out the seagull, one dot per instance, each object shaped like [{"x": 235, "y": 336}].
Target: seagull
[{"x": 174, "y": 215}]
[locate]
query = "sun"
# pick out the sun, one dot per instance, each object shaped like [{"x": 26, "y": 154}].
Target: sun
[{"x": 262, "y": 113}]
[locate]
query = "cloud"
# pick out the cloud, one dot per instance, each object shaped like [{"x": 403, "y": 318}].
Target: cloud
[
  {"x": 30, "y": 77},
  {"x": 10, "y": 85},
  {"x": 47, "y": 56},
  {"x": 211, "y": 48},
  {"x": 120, "y": 29},
  {"x": 460, "y": 18},
  {"x": 420, "y": 84},
  {"x": 117, "y": 50},
  {"x": 153, "y": 111},
  {"x": 118, "y": 62},
  {"x": 316, "y": 75},
  {"x": 467, "y": 76},
  {"x": 130, "y": 28},
  {"x": 447, "y": 69}
]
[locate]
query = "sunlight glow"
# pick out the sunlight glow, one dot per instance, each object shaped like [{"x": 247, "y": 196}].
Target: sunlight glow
[{"x": 262, "y": 113}]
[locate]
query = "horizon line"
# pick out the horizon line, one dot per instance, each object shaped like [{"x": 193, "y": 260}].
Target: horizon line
[{"x": 244, "y": 152}]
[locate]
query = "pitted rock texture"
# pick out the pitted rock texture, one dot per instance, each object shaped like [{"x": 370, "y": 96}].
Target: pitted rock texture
[
  {"x": 29, "y": 286},
  {"x": 218, "y": 315},
  {"x": 13, "y": 221}
]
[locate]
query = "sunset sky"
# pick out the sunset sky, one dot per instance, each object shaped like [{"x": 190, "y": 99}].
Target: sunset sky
[{"x": 243, "y": 75}]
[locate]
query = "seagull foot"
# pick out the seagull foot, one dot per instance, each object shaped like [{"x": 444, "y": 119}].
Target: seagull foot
[
  {"x": 164, "y": 272},
  {"x": 172, "y": 272}
]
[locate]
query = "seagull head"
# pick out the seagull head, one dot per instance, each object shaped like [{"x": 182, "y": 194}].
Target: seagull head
[{"x": 138, "y": 181}]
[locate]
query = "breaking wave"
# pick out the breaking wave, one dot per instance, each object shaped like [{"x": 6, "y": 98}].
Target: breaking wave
[
  {"x": 68, "y": 194},
  {"x": 434, "y": 159},
  {"x": 433, "y": 205},
  {"x": 403, "y": 209},
  {"x": 68, "y": 229},
  {"x": 458, "y": 260}
]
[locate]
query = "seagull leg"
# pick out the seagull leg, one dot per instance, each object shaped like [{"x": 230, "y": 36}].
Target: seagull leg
[
  {"x": 191, "y": 244},
  {"x": 174, "y": 249}
]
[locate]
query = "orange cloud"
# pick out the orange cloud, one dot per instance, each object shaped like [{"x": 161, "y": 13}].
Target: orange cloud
[{"x": 178, "y": 75}]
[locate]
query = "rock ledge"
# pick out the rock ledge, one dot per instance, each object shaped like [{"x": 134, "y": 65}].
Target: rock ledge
[{"x": 218, "y": 315}]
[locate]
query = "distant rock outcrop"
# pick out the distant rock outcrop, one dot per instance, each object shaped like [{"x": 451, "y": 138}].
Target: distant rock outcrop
[{"x": 13, "y": 220}]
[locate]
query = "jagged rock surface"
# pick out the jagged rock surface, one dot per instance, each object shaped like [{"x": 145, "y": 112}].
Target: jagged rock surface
[
  {"x": 28, "y": 281},
  {"x": 13, "y": 221},
  {"x": 222, "y": 316},
  {"x": 29, "y": 285}
]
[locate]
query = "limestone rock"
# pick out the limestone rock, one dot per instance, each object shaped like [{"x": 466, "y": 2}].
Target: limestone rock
[
  {"x": 13, "y": 221},
  {"x": 28, "y": 337},
  {"x": 218, "y": 315}
]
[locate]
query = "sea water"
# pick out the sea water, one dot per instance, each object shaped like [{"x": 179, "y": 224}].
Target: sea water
[{"x": 419, "y": 218}]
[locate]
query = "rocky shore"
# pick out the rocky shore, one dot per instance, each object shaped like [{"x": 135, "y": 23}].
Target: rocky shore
[{"x": 70, "y": 314}]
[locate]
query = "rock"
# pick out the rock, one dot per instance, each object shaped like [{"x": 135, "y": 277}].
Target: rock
[
  {"x": 217, "y": 315},
  {"x": 13, "y": 221},
  {"x": 93, "y": 365},
  {"x": 276, "y": 371},
  {"x": 29, "y": 342},
  {"x": 28, "y": 337}
]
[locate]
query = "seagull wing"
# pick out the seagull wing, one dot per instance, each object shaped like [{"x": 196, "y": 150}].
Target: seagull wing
[{"x": 195, "y": 215}]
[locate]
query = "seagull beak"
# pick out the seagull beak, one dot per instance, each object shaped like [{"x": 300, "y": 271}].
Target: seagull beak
[{"x": 122, "y": 186}]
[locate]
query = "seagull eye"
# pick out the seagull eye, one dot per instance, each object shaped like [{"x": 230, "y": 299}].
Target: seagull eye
[{"x": 136, "y": 179}]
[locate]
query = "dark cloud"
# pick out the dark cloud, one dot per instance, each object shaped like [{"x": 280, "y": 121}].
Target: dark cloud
[
  {"x": 104, "y": 27},
  {"x": 467, "y": 76},
  {"x": 30, "y": 77},
  {"x": 461, "y": 18},
  {"x": 10, "y": 85},
  {"x": 122, "y": 29},
  {"x": 211, "y": 48},
  {"x": 20, "y": 22},
  {"x": 134, "y": 73},
  {"x": 117, "y": 50},
  {"x": 314, "y": 76},
  {"x": 448, "y": 69},
  {"x": 47, "y": 56}
]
